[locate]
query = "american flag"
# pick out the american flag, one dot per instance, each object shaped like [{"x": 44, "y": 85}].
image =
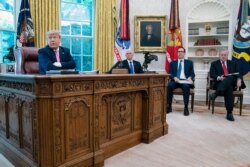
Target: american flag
[
  {"x": 25, "y": 30},
  {"x": 122, "y": 40}
]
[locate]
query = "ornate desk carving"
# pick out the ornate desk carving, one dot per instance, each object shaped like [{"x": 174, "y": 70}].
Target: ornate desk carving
[{"x": 78, "y": 120}]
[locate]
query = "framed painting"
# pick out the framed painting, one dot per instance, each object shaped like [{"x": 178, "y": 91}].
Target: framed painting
[{"x": 150, "y": 33}]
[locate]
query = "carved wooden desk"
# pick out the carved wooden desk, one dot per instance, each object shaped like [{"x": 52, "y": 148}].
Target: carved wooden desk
[{"x": 78, "y": 120}]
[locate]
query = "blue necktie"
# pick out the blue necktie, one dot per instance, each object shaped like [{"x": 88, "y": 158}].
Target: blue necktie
[
  {"x": 131, "y": 67},
  {"x": 179, "y": 70}
]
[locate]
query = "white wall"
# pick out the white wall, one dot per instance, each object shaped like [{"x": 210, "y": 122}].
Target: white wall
[{"x": 162, "y": 7}]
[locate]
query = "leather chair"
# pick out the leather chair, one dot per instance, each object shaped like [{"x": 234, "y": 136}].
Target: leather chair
[
  {"x": 210, "y": 90},
  {"x": 26, "y": 60}
]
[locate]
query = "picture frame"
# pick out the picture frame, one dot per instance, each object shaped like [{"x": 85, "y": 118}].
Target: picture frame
[{"x": 150, "y": 33}]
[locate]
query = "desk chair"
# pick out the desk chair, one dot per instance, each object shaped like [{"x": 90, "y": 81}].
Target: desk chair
[
  {"x": 210, "y": 90},
  {"x": 26, "y": 60}
]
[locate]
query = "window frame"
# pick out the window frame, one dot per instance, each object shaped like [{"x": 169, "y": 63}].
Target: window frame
[
  {"x": 70, "y": 36},
  {"x": 14, "y": 13}
]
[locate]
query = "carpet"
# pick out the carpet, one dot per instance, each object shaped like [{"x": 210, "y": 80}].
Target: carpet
[{"x": 4, "y": 162}]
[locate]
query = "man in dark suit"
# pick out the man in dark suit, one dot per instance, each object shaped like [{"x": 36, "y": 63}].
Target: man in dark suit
[
  {"x": 53, "y": 56},
  {"x": 225, "y": 83},
  {"x": 181, "y": 76},
  {"x": 133, "y": 66},
  {"x": 149, "y": 39}
]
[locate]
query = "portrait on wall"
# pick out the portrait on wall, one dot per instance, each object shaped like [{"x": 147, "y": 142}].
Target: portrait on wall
[
  {"x": 150, "y": 33},
  {"x": 11, "y": 68}
]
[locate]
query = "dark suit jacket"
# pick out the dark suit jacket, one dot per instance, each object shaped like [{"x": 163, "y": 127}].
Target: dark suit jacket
[
  {"x": 153, "y": 41},
  {"x": 47, "y": 56},
  {"x": 124, "y": 64},
  {"x": 217, "y": 70},
  {"x": 188, "y": 69},
  {"x": 137, "y": 66}
]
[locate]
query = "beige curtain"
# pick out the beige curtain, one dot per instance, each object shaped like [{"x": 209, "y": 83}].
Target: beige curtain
[
  {"x": 45, "y": 15},
  {"x": 105, "y": 34}
]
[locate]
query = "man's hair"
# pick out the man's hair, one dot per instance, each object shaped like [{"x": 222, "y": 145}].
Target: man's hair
[
  {"x": 183, "y": 49},
  {"x": 223, "y": 50},
  {"x": 129, "y": 51},
  {"x": 55, "y": 32}
]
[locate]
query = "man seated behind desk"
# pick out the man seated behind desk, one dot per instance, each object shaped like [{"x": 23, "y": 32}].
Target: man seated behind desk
[
  {"x": 180, "y": 69},
  {"x": 130, "y": 64},
  {"x": 53, "y": 56}
]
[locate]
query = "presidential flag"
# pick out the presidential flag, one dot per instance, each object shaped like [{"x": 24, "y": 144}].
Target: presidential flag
[
  {"x": 122, "y": 40},
  {"x": 241, "y": 41},
  {"x": 25, "y": 30},
  {"x": 174, "y": 37}
]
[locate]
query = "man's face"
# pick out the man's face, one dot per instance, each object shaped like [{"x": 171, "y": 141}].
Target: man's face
[
  {"x": 54, "y": 41},
  {"x": 129, "y": 55},
  {"x": 181, "y": 53},
  {"x": 149, "y": 29},
  {"x": 223, "y": 56}
]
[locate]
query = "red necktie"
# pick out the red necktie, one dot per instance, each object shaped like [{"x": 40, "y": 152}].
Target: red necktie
[{"x": 224, "y": 68}]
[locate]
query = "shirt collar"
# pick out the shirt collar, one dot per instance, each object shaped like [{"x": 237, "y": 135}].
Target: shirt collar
[
  {"x": 130, "y": 61},
  {"x": 56, "y": 49},
  {"x": 223, "y": 61}
]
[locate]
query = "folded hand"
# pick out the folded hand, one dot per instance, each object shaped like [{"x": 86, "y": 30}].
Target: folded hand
[
  {"x": 176, "y": 79},
  {"x": 190, "y": 80},
  {"x": 57, "y": 64},
  {"x": 238, "y": 83},
  {"x": 220, "y": 78}
]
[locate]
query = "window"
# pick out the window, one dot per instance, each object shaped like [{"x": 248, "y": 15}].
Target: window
[
  {"x": 77, "y": 31},
  {"x": 7, "y": 26}
]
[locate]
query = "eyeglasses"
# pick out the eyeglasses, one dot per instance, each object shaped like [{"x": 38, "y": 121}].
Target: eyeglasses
[{"x": 180, "y": 50}]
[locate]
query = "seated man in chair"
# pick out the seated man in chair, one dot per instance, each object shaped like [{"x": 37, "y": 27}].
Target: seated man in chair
[
  {"x": 180, "y": 70},
  {"x": 226, "y": 75},
  {"x": 53, "y": 56},
  {"x": 133, "y": 66}
]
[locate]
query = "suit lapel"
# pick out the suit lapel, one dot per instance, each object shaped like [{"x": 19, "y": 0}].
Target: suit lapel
[
  {"x": 126, "y": 64},
  {"x": 175, "y": 67},
  {"x": 52, "y": 54},
  {"x": 229, "y": 67},
  {"x": 134, "y": 64},
  {"x": 221, "y": 72},
  {"x": 61, "y": 53},
  {"x": 185, "y": 67}
]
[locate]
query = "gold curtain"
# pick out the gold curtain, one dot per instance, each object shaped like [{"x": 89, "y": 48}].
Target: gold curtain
[
  {"x": 105, "y": 34},
  {"x": 45, "y": 15}
]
